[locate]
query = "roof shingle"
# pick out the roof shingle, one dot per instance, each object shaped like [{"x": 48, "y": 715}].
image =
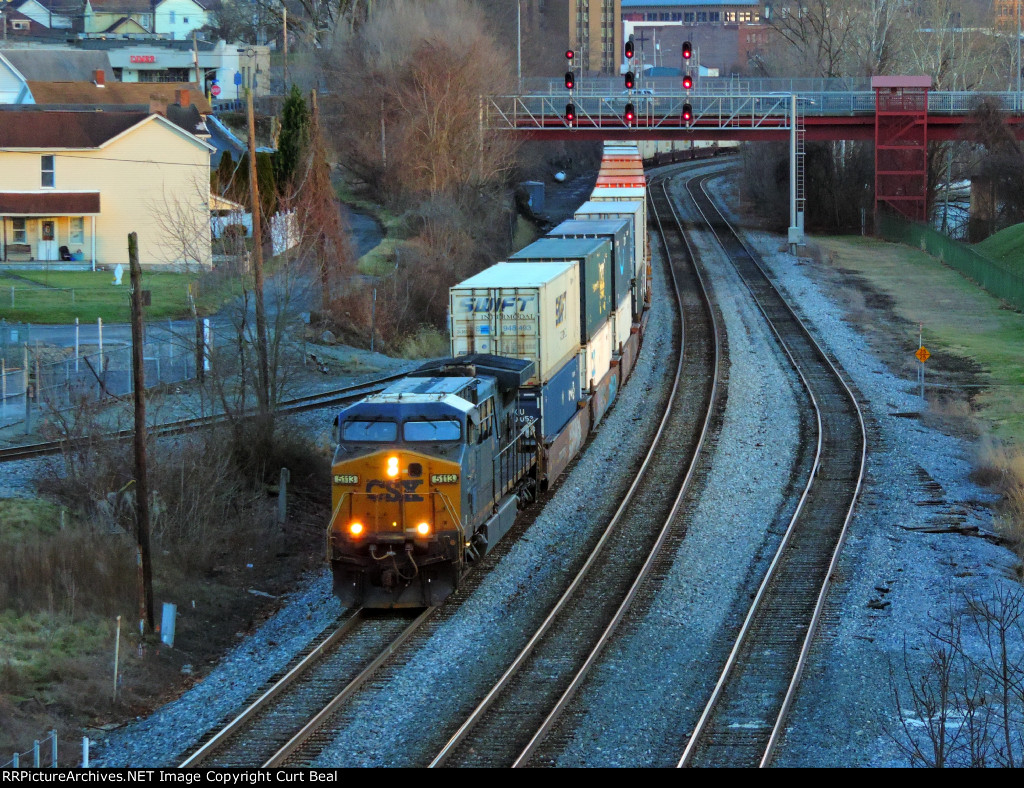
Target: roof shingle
[{"x": 41, "y": 130}]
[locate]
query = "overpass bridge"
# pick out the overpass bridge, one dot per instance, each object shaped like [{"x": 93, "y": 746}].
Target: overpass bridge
[{"x": 899, "y": 114}]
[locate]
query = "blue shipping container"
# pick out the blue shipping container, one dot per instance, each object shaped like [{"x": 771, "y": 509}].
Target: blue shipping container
[{"x": 556, "y": 402}]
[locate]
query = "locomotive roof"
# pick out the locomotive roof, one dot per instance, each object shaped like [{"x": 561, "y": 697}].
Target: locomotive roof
[{"x": 425, "y": 389}]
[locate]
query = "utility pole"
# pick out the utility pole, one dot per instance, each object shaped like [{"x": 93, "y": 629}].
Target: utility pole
[
  {"x": 195, "y": 62},
  {"x": 141, "y": 471},
  {"x": 263, "y": 393},
  {"x": 286, "y": 50}
]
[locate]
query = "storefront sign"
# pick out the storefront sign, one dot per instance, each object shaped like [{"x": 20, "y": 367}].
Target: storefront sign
[{"x": 142, "y": 58}]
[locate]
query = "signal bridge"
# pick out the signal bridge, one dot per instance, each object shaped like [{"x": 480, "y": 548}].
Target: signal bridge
[{"x": 900, "y": 114}]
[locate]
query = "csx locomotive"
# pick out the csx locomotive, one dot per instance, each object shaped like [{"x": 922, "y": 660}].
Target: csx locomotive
[{"x": 428, "y": 475}]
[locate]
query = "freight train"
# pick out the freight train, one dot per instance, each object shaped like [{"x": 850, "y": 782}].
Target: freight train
[{"x": 429, "y": 474}]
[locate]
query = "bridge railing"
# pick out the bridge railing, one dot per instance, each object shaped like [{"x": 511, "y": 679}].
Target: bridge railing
[{"x": 657, "y": 109}]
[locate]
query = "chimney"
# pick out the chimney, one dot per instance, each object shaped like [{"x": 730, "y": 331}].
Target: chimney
[
  {"x": 157, "y": 106},
  {"x": 181, "y": 97},
  {"x": 100, "y": 78}
]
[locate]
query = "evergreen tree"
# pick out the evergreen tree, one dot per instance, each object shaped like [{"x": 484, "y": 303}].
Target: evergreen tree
[{"x": 293, "y": 141}]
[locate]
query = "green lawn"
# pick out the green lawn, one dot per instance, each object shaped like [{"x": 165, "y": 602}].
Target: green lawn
[
  {"x": 61, "y": 296},
  {"x": 958, "y": 317},
  {"x": 1005, "y": 247}
]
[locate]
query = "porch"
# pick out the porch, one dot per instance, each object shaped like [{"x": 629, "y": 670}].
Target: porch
[{"x": 56, "y": 230}]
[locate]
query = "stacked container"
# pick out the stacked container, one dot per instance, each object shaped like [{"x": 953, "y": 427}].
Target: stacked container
[
  {"x": 619, "y": 232},
  {"x": 531, "y": 312},
  {"x": 594, "y": 258},
  {"x": 634, "y": 212}
]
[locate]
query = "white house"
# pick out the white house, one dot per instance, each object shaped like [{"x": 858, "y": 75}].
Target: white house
[
  {"x": 13, "y": 85},
  {"x": 176, "y": 19},
  {"x": 40, "y": 11}
]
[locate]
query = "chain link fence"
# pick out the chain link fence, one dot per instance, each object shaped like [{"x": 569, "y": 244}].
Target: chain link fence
[
  {"x": 1004, "y": 284},
  {"x": 37, "y": 378}
]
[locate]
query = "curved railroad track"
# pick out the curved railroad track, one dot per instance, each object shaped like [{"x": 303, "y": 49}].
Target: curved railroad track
[
  {"x": 298, "y": 405},
  {"x": 514, "y": 718},
  {"x": 288, "y": 712},
  {"x": 745, "y": 716}
]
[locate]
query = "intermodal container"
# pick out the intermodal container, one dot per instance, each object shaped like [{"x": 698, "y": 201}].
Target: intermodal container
[
  {"x": 617, "y": 181},
  {"x": 594, "y": 257},
  {"x": 634, "y": 211},
  {"x": 622, "y": 324},
  {"x": 554, "y": 403},
  {"x": 621, "y": 163},
  {"x": 620, "y": 233},
  {"x": 596, "y": 357},
  {"x": 638, "y": 194},
  {"x": 520, "y": 311}
]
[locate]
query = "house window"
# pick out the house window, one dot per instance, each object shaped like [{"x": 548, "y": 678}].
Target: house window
[
  {"x": 713, "y": 16},
  {"x": 20, "y": 234},
  {"x": 183, "y": 19},
  {"x": 48, "y": 175},
  {"x": 19, "y": 24},
  {"x": 77, "y": 234},
  {"x": 172, "y": 17},
  {"x": 688, "y": 16}
]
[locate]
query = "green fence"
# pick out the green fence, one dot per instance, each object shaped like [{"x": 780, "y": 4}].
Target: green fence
[{"x": 1007, "y": 285}]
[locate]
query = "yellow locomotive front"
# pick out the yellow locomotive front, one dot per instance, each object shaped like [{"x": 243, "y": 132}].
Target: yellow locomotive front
[{"x": 395, "y": 537}]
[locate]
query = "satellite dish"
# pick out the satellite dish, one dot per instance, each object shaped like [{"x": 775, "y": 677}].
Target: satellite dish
[{"x": 560, "y": 176}]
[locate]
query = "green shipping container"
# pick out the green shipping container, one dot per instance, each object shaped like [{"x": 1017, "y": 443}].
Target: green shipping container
[
  {"x": 594, "y": 258},
  {"x": 620, "y": 233}
]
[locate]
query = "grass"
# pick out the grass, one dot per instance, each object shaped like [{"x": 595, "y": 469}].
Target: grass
[
  {"x": 1006, "y": 248},
  {"x": 22, "y": 516},
  {"x": 959, "y": 319},
  {"x": 61, "y": 296},
  {"x": 427, "y": 342}
]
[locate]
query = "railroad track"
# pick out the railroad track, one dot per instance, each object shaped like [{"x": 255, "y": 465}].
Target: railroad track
[
  {"x": 524, "y": 707},
  {"x": 745, "y": 717},
  {"x": 297, "y": 405},
  {"x": 289, "y": 712}
]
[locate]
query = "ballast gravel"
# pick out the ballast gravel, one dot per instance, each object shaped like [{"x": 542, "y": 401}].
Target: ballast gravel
[
  {"x": 845, "y": 713},
  {"x": 663, "y": 667}
]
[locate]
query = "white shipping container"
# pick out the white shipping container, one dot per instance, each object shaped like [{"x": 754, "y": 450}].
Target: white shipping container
[
  {"x": 596, "y": 357},
  {"x": 622, "y": 323},
  {"x": 520, "y": 311},
  {"x": 632, "y": 209}
]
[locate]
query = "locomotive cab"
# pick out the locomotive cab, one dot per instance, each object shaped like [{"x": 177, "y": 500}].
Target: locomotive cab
[{"x": 419, "y": 474}]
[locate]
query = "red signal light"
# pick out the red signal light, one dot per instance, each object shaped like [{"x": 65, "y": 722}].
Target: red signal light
[
  {"x": 687, "y": 50},
  {"x": 570, "y": 112},
  {"x": 630, "y": 113},
  {"x": 687, "y": 114},
  {"x": 630, "y": 80},
  {"x": 687, "y": 82},
  {"x": 629, "y": 50},
  {"x": 569, "y": 54},
  {"x": 570, "y": 80}
]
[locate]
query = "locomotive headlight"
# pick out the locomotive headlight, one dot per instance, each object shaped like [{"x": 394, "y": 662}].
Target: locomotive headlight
[
  {"x": 392, "y": 469},
  {"x": 423, "y": 529},
  {"x": 355, "y": 528}
]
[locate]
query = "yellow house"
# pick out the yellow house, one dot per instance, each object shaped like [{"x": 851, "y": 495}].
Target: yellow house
[{"x": 74, "y": 184}]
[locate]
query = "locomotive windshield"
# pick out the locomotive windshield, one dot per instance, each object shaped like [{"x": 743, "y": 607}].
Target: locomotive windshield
[
  {"x": 370, "y": 431},
  {"x": 431, "y": 431}
]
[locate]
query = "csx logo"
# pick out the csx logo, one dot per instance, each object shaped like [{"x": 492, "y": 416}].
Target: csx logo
[
  {"x": 394, "y": 491},
  {"x": 506, "y": 304}
]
